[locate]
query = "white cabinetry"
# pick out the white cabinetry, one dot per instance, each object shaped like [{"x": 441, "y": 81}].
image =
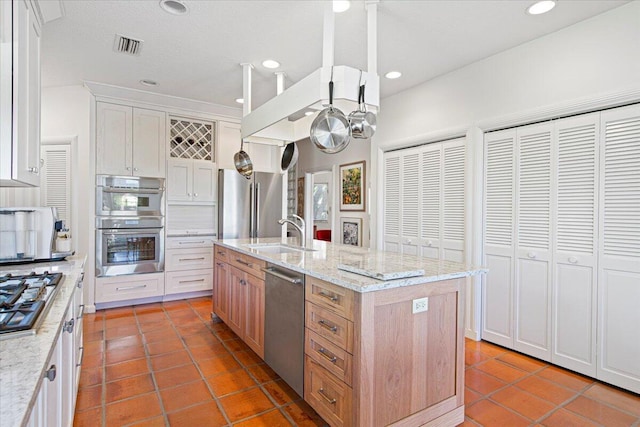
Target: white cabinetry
[
  {"x": 562, "y": 243},
  {"x": 424, "y": 200},
  {"x": 130, "y": 141},
  {"x": 189, "y": 264},
  {"x": 229, "y": 138},
  {"x": 191, "y": 181},
  {"x": 265, "y": 157},
  {"x": 19, "y": 94},
  {"x": 122, "y": 288}
]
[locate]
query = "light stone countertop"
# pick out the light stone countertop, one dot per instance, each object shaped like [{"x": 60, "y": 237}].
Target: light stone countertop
[
  {"x": 23, "y": 359},
  {"x": 323, "y": 261}
]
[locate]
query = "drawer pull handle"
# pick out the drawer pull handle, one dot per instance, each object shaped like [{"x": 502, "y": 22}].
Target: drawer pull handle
[
  {"x": 330, "y": 357},
  {"x": 329, "y": 400},
  {"x": 126, "y": 288},
  {"x": 243, "y": 282},
  {"x": 331, "y": 298},
  {"x": 193, "y": 243},
  {"x": 248, "y": 264},
  {"x": 191, "y": 281},
  {"x": 221, "y": 253},
  {"x": 328, "y": 326},
  {"x": 219, "y": 264},
  {"x": 81, "y": 311},
  {"x": 191, "y": 259}
]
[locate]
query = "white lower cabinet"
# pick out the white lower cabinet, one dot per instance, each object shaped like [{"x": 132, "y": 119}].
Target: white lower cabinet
[
  {"x": 119, "y": 288},
  {"x": 189, "y": 264}
]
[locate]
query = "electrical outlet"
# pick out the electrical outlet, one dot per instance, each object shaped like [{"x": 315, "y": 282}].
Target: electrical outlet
[{"x": 420, "y": 305}]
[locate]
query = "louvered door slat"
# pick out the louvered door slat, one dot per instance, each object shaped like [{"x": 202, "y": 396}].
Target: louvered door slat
[
  {"x": 431, "y": 199},
  {"x": 410, "y": 191},
  {"x": 499, "y": 192},
  {"x": 453, "y": 226},
  {"x": 392, "y": 196},
  {"x": 534, "y": 195}
]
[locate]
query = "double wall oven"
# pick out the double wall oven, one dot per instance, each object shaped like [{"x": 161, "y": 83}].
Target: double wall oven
[{"x": 129, "y": 225}]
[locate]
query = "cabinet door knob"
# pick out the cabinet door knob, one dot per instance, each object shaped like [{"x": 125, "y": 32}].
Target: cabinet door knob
[
  {"x": 188, "y": 194},
  {"x": 429, "y": 243},
  {"x": 195, "y": 194},
  {"x": 128, "y": 168},
  {"x": 50, "y": 374},
  {"x": 573, "y": 260},
  {"x": 135, "y": 169},
  {"x": 33, "y": 170}
]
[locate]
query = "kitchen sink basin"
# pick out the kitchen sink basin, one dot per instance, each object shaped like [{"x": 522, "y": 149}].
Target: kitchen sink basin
[{"x": 277, "y": 248}]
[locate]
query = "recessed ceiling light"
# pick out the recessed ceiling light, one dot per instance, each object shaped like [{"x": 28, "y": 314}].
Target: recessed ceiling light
[
  {"x": 270, "y": 63},
  {"x": 147, "y": 82},
  {"x": 308, "y": 113},
  {"x": 393, "y": 74},
  {"x": 541, "y": 7},
  {"x": 174, "y": 7},
  {"x": 240, "y": 100},
  {"x": 341, "y": 5}
]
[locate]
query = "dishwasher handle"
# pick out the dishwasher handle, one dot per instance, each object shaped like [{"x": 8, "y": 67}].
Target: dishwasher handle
[{"x": 273, "y": 272}]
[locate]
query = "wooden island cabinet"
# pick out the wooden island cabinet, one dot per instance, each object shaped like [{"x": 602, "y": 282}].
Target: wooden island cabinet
[{"x": 389, "y": 355}]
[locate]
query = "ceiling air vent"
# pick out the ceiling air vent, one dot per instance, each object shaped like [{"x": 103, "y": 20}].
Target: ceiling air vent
[{"x": 124, "y": 44}]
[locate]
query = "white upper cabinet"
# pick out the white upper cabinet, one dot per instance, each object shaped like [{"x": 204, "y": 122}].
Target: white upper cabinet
[
  {"x": 130, "y": 141},
  {"x": 229, "y": 138},
  {"x": 19, "y": 94}
]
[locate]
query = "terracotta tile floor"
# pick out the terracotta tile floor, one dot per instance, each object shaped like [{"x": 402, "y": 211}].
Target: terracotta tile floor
[{"x": 167, "y": 364}]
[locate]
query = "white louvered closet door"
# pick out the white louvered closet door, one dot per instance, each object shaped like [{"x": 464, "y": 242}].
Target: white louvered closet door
[
  {"x": 533, "y": 241},
  {"x": 619, "y": 249},
  {"x": 410, "y": 201},
  {"x": 574, "y": 292},
  {"x": 55, "y": 189},
  {"x": 453, "y": 201},
  {"x": 499, "y": 224},
  {"x": 391, "y": 201},
  {"x": 431, "y": 201}
]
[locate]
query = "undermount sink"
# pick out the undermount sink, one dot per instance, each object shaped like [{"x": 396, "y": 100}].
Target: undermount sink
[{"x": 277, "y": 248}]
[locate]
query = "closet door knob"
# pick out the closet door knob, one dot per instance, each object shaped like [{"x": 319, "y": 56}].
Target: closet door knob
[
  {"x": 532, "y": 255},
  {"x": 573, "y": 260}
]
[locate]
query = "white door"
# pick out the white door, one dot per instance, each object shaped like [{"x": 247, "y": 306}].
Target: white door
[
  {"x": 533, "y": 241},
  {"x": 149, "y": 143},
  {"x": 204, "y": 181},
  {"x": 391, "y": 197},
  {"x": 431, "y": 201},
  {"x": 179, "y": 180},
  {"x": 574, "y": 259},
  {"x": 410, "y": 201},
  {"x": 499, "y": 224},
  {"x": 55, "y": 188},
  {"x": 619, "y": 249},
  {"x": 452, "y": 205},
  {"x": 113, "y": 142}
]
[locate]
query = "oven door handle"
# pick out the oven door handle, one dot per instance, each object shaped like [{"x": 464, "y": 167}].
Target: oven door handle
[
  {"x": 131, "y": 190},
  {"x": 121, "y": 231}
]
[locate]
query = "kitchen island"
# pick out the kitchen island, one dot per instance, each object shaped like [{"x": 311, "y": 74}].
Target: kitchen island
[
  {"x": 25, "y": 359},
  {"x": 382, "y": 347}
]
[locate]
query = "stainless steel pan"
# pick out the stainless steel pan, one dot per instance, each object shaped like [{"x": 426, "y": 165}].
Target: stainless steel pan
[
  {"x": 289, "y": 156},
  {"x": 330, "y": 131},
  {"x": 362, "y": 122},
  {"x": 243, "y": 162}
]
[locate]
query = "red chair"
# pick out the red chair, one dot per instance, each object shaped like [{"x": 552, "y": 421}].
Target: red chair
[{"x": 323, "y": 235}]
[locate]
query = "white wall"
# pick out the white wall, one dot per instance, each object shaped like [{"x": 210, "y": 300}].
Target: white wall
[
  {"x": 65, "y": 113},
  {"x": 312, "y": 159},
  {"x": 590, "y": 65}
]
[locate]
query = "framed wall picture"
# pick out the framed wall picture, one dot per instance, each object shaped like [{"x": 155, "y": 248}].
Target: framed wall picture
[
  {"x": 351, "y": 231},
  {"x": 352, "y": 179}
]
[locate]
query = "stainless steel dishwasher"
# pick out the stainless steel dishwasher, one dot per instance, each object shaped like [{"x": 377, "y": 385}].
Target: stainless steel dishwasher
[{"x": 284, "y": 325}]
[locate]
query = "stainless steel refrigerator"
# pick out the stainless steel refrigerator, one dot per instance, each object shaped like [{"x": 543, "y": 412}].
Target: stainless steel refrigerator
[{"x": 249, "y": 207}]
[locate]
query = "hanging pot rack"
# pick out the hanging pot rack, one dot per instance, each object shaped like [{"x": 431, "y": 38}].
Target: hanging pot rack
[{"x": 282, "y": 117}]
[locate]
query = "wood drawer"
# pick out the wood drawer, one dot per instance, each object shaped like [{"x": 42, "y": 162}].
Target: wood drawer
[
  {"x": 334, "y": 328},
  {"x": 177, "y": 282},
  {"x": 188, "y": 259},
  {"x": 221, "y": 253},
  {"x": 187, "y": 242},
  {"x": 329, "y": 397},
  {"x": 331, "y": 357},
  {"x": 247, "y": 263},
  {"x": 122, "y": 288},
  {"x": 330, "y": 296}
]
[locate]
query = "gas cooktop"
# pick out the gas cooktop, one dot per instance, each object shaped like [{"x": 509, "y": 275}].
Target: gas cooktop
[{"x": 24, "y": 301}]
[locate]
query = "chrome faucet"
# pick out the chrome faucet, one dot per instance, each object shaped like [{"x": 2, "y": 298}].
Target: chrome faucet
[{"x": 300, "y": 227}]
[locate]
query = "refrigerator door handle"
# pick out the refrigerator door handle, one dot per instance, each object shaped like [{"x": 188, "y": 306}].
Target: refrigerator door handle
[
  {"x": 251, "y": 209},
  {"x": 257, "y": 214}
]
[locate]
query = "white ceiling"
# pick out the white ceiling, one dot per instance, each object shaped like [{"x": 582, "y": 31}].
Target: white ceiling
[{"x": 198, "y": 55}]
